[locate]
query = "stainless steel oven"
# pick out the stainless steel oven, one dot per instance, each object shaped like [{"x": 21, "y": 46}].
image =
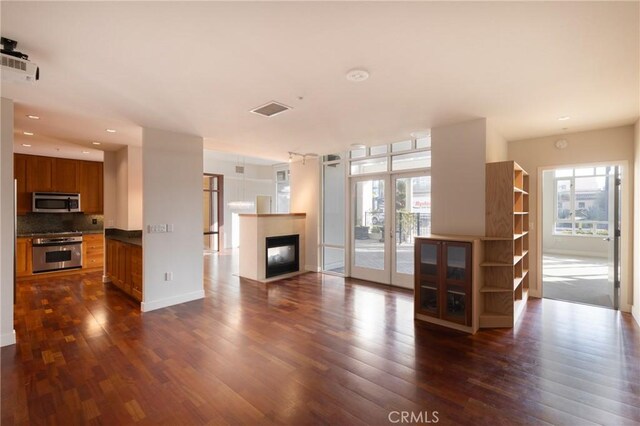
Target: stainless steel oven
[
  {"x": 56, "y": 202},
  {"x": 57, "y": 253}
]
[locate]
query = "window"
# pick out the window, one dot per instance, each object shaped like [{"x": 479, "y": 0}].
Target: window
[
  {"x": 413, "y": 154},
  {"x": 283, "y": 191},
  {"x": 212, "y": 186},
  {"x": 582, "y": 202},
  {"x": 333, "y": 214}
]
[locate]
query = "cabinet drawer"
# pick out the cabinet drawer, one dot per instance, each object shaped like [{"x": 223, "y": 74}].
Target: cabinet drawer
[
  {"x": 93, "y": 262},
  {"x": 94, "y": 252}
]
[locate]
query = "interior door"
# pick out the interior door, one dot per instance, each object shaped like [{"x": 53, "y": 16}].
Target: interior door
[
  {"x": 412, "y": 217},
  {"x": 613, "y": 190},
  {"x": 370, "y": 225}
]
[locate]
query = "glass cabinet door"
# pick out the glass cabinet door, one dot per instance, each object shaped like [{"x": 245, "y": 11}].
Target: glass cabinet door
[
  {"x": 457, "y": 282},
  {"x": 427, "y": 266}
]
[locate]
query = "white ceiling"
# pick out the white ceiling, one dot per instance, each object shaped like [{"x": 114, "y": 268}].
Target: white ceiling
[{"x": 199, "y": 67}]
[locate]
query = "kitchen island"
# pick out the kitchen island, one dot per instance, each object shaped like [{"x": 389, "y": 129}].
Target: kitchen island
[{"x": 124, "y": 261}]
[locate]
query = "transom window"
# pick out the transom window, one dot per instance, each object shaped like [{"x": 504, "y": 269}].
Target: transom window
[
  {"x": 582, "y": 198},
  {"x": 411, "y": 154}
]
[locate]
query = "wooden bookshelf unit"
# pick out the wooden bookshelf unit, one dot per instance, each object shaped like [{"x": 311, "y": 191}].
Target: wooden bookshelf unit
[{"x": 505, "y": 287}]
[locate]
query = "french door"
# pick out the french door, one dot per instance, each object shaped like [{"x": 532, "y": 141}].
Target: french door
[
  {"x": 213, "y": 212},
  {"x": 387, "y": 213}
]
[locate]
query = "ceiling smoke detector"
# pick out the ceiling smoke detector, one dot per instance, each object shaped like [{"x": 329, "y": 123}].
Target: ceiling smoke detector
[
  {"x": 270, "y": 109},
  {"x": 561, "y": 143},
  {"x": 357, "y": 75}
]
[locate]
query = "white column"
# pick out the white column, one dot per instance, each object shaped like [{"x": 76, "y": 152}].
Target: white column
[
  {"x": 7, "y": 218},
  {"x": 457, "y": 178},
  {"x": 172, "y": 195}
]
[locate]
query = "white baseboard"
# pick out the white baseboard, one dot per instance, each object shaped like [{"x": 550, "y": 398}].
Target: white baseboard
[
  {"x": 635, "y": 313},
  {"x": 311, "y": 268},
  {"x": 106, "y": 279},
  {"x": 170, "y": 301},
  {"x": 8, "y": 339}
]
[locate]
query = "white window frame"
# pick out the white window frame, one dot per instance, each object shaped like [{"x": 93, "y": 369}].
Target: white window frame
[{"x": 572, "y": 209}]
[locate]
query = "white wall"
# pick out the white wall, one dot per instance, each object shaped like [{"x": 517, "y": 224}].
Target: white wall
[
  {"x": 123, "y": 188},
  {"x": 172, "y": 194},
  {"x": 258, "y": 180},
  {"x": 458, "y": 154},
  {"x": 305, "y": 198},
  {"x": 110, "y": 189},
  {"x": 7, "y": 237},
  {"x": 497, "y": 147},
  {"x": 636, "y": 225},
  {"x": 135, "y": 191},
  {"x": 605, "y": 146},
  {"x": 565, "y": 244}
]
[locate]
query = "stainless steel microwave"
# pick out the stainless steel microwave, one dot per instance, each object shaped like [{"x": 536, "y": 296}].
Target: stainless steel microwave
[{"x": 56, "y": 202}]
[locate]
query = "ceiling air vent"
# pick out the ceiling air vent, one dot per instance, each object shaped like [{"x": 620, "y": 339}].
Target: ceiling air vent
[
  {"x": 240, "y": 169},
  {"x": 270, "y": 109}
]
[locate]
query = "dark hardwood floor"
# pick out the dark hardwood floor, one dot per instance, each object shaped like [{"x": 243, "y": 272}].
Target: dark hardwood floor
[{"x": 313, "y": 349}]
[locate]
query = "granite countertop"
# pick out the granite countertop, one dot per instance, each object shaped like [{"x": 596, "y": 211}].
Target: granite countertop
[
  {"x": 136, "y": 241},
  {"x": 130, "y": 237},
  {"x": 44, "y": 234}
]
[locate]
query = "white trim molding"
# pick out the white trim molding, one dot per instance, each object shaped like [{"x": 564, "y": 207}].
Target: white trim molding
[
  {"x": 170, "y": 301},
  {"x": 8, "y": 339}
]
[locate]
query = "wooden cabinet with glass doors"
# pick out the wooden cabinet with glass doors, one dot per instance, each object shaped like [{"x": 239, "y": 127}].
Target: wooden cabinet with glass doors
[{"x": 446, "y": 273}]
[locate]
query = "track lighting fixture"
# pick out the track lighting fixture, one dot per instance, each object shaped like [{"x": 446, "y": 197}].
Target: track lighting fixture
[{"x": 304, "y": 156}]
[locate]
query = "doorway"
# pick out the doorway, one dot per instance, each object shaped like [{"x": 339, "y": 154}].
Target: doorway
[
  {"x": 388, "y": 212},
  {"x": 581, "y": 235},
  {"x": 213, "y": 211}
]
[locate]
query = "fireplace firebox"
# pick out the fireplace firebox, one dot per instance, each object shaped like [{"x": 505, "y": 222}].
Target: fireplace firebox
[{"x": 282, "y": 255}]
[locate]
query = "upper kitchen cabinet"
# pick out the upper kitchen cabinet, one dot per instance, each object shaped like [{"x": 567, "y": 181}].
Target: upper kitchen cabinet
[
  {"x": 39, "y": 174},
  {"x": 91, "y": 187},
  {"x": 35, "y": 173},
  {"x": 65, "y": 175}
]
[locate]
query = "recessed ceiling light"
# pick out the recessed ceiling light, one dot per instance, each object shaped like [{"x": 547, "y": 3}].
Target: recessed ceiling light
[
  {"x": 85, "y": 152},
  {"x": 33, "y": 117},
  {"x": 96, "y": 143},
  {"x": 26, "y": 144},
  {"x": 357, "y": 75},
  {"x": 110, "y": 130},
  {"x": 564, "y": 118},
  {"x": 27, "y": 133}
]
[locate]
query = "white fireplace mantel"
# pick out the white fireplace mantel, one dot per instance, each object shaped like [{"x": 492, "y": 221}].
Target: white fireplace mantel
[{"x": 254, "y": 230}]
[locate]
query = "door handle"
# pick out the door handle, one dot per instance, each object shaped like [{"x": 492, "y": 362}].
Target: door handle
[{"x": 606, "y": 239}]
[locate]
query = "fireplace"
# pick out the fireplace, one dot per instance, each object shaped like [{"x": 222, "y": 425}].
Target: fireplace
[{"x": 282, "y": 255}]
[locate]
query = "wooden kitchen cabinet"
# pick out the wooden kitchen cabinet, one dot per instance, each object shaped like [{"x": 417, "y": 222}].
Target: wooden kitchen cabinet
[
  {"x": 91, "y": 187},
  {"x": 92, "y": 251},
  {"x": 36, "y": 173},
  {"x": 39, "y": 173},
  {"x": 136, "y": 272},
  {"x": 23, "y": 257},
  {"x": 124, "y": 267},
  {"x": 65, "y": 175}
]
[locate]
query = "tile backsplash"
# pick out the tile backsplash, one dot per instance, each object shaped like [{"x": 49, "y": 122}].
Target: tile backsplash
[{"x": 33, "y": 223}]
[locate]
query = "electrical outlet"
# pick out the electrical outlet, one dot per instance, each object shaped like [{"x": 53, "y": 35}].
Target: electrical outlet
[
  {"x": 168, "y": 276},
  {"x": 169, "y": 227},
  {"x": 94, "y": 221}
]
